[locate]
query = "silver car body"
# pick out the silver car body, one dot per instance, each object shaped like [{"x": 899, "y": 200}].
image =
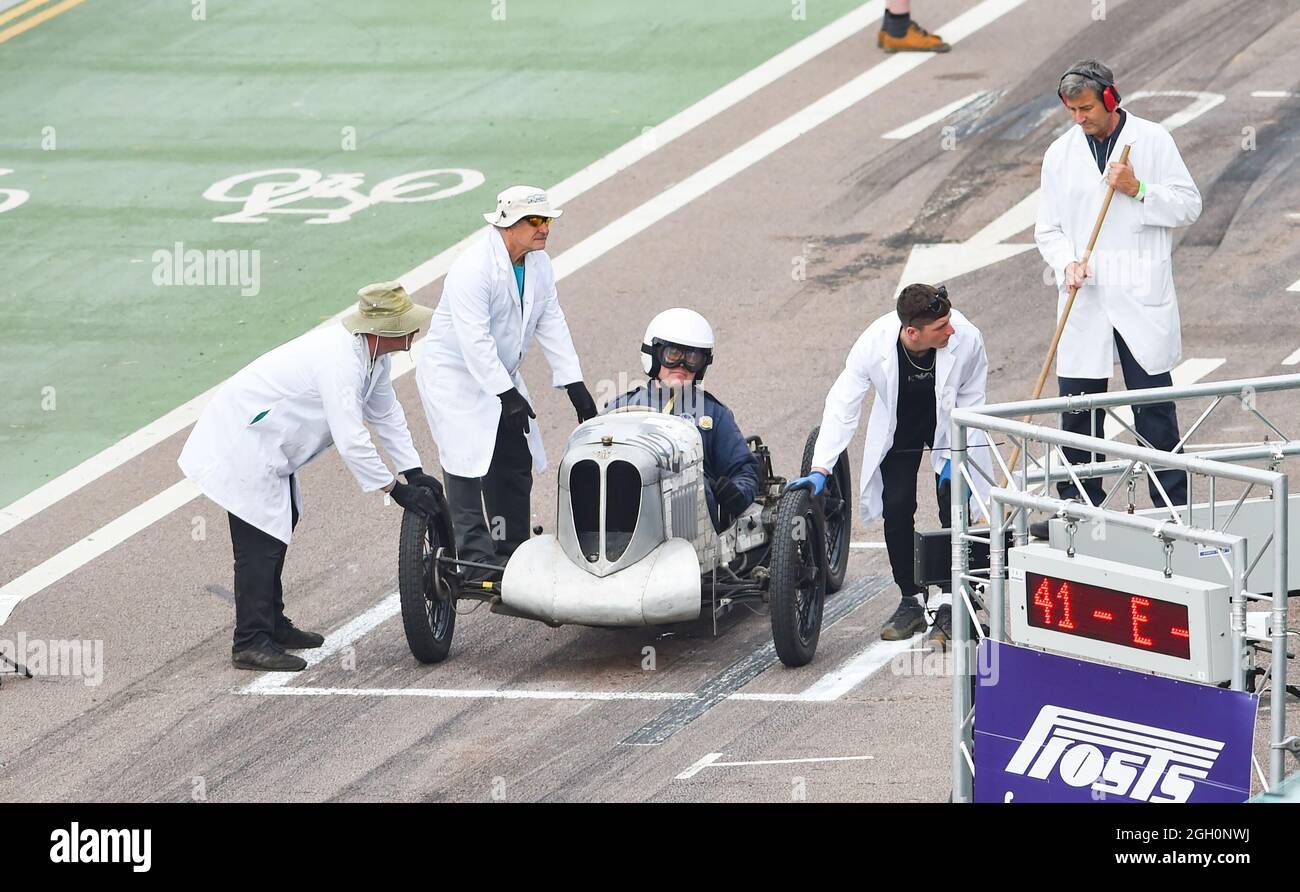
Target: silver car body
[{"x": 633, "y": 533}]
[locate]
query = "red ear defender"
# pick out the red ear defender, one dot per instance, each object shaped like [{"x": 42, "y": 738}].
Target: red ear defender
[
  {"x": 1110, "y": 98},
  {"x": 1109, "y": 95}
]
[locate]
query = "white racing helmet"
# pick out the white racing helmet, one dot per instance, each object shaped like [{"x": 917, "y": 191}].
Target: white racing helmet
[{"x": 683, "y": 328}]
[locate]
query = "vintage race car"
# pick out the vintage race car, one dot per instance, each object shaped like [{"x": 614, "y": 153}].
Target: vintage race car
[{"x": 635, "y": 545}]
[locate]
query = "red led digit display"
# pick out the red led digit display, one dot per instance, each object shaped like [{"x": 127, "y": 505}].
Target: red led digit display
[{"x": 1091, "y": 611}]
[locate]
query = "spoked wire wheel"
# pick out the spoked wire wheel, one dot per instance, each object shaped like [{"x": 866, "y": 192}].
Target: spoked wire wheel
[{"x": 428, "y": 602}]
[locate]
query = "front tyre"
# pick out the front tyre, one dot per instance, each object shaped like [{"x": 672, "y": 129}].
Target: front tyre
[
  {"x": 797, "y": 586},
  {"x": 837, "y": 508},
  {"x": 428, "y": 617}
]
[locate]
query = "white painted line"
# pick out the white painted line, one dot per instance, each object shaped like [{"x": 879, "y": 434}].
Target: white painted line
[
  {"x": 933, "y": 117},
  {"x": 1294, "y": 286},
  {"x": 469, "y": 693},
  {"x": 767, "y": 698},
  {"x": 98, "y": 465},
  {"x": 773, "y": 139},
  {"x": 1273, "y": 94},
  {"x": 277, "y": 684},
  {"x": 834, "y": 685},
  {"x": 711, "y": 761},
  {"x": 629, "y": 225},
  {"x": 1293, "y": 359},
  {"x": 342, "y": 637},
  {"x": 699, "y": 766},
  {"x": 866, "y": 545},
  {"x": 424, "y": 275},
  {"x": 1187, "y": 372},
  {"x": 79, "y": 553}
]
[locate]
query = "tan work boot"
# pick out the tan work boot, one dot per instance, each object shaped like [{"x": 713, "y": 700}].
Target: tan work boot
[{"x": 916, "y": 40}]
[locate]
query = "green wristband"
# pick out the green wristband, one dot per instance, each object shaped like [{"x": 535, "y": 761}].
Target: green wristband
[{"x": 1142, "y": 191}]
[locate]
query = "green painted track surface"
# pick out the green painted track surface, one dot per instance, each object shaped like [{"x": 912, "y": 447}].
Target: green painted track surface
[{"x": 146, "y": 108}]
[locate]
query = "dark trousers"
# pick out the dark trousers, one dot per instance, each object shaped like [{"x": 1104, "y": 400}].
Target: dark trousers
[
  {"x": 504, "y": 493},
  {"x": 259, "y": 595},
  {"x": 1156, "y": 422},
  {"x": 898, "y": 474}
]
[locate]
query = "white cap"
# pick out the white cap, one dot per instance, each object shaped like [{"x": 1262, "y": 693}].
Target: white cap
[{"x": 518, "y": 202}]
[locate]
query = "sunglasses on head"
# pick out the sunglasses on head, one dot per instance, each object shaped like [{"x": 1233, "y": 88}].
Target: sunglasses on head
[
  {"x": 694, "y": 359},
  {"x": 936, "y": 305}
]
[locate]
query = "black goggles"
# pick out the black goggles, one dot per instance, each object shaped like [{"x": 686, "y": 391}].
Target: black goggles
[
  {"x": 939, "y": 305},
  {"x": 694, "y": 359}
]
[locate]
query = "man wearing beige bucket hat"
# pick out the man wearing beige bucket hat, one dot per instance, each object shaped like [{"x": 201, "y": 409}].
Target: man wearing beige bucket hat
[
  {"x": 498, "y": 297},
  {"x": 277, "y": 414}
]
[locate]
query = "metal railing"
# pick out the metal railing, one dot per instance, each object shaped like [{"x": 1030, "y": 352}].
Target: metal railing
[{"x": 1028, "y": 488}]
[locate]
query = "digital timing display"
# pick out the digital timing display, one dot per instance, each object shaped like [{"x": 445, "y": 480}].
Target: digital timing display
[{"x": 1103, "y": 614}]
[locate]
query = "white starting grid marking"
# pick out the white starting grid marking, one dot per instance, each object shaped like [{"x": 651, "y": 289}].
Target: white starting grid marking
[
  {"x": 1273, "y": 94},
  {"x": 829, "y": 687},
  {"x": 607, "y": 238},
  {"x": 711, "y": 761},
  {"x": 1294, "y": 358}
]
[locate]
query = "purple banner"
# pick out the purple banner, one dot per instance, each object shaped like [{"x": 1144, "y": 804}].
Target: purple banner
[{"x": 1060, "y": 729}]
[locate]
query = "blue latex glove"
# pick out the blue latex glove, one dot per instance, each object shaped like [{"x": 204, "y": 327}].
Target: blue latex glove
[
  {"x": 945, "y": 475},
  {"x": 814, "y": 483}
]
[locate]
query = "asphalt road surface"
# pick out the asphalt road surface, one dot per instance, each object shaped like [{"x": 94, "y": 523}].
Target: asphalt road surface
[{"x": 792, "y": 246}]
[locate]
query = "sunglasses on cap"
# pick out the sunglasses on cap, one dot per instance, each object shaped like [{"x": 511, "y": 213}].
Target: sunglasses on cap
[
  {"x": 694, "y": 359},
  {"x": 938, "y": 306},
  {"x": 535, "y": 221}
]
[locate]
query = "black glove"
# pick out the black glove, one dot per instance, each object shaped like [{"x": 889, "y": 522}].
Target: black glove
[
  {"x": 515, "y": 411},
  {"x": 730, "y": 497},
  {"x": 417, "y": 477},
  {"x": 414, "y": 498},
  {"x": 583, "y": 404}
]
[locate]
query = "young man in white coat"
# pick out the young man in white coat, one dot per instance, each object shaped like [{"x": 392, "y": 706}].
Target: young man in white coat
[
  {"x": 498, "y": 296},
  {"x": 1126, "y": 307},
  {"x": 923, "y": 359},
  {"x": 276, "y": 415}
]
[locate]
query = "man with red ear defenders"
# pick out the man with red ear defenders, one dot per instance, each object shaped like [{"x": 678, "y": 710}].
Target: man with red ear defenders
[{"x": 1126, "y": 307}]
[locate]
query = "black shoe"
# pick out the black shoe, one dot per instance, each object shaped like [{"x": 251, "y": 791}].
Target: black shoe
[
  {"x": 290, "y": 636},
  {"x": 907, "y": 620},
  {"x": 266, "y": 658},
  {"x": 1039, "y": 530},
  {"x": 941, "y": 632}
]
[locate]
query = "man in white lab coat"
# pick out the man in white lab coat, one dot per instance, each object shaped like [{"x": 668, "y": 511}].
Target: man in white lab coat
[
  {"x": 277, "y": 414},
  {"x": 498, "y": 296},
  {"x": 1126, "y": 308},
  {"x": 923, "y": 359}
]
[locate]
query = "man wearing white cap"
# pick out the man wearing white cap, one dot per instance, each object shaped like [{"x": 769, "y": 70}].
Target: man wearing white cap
[
  {"x": 276, "y": 415},
  {"x": 498, "y": 296}
]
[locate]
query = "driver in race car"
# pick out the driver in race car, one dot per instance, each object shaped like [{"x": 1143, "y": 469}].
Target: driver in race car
[{"x": 676, "y": 350}]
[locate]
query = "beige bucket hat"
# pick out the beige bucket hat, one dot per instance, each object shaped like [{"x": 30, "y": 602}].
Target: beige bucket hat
[
  {"x": 518, "y": 202},
  {"x": 384, "y": 309}
]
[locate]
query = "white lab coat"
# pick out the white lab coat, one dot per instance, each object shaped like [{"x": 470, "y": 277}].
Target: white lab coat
[
  {"x": 477, "y": 341},
  {"x": 961, "y": 370},
  {"x": 316, "y": 390},
  {"x": 1130, "y": 288}
]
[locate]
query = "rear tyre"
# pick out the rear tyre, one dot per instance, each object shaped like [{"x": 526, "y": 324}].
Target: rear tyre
[
  {"x": 428, "y": 619},
  {"x": 797, "y": 587},
  {"x": 837, "y": 506}
]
